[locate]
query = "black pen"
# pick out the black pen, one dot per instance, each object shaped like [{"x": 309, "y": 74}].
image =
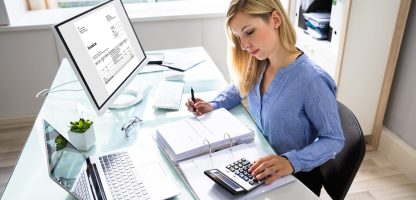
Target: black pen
[{"x": 193, "y": 98}]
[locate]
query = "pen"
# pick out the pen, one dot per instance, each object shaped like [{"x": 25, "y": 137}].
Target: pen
[{"x": 193, "y": 97}]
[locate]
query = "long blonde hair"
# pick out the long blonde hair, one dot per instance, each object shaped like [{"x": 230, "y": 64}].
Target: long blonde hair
[{"x": 246, "y": 68}]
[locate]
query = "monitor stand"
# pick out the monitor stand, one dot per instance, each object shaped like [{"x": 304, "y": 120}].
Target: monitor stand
[{"x": 126, "y": 99}]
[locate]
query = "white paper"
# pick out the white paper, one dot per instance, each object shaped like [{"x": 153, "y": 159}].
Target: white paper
[
  {"x": 181, "y": 61},
  {"x": 193, "y": 136}
]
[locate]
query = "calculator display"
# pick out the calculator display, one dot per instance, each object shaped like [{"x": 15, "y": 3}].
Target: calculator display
[
  {"x": 235, "y": 177},
  {"x": 225, "y": 179}
]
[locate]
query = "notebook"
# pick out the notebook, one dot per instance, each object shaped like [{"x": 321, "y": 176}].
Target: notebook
[
  {"x": 204, "y": 188},
  {"x": 113, "y": 175},
  {"x": 196, "y": 136}
]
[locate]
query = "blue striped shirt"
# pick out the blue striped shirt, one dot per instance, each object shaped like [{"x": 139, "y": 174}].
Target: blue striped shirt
[{"x": 298, "y": 114}]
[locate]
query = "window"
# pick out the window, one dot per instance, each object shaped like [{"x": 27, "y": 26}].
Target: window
[
  {"x": 82, "y": 3},
  {"x": 35, "y": 4}
]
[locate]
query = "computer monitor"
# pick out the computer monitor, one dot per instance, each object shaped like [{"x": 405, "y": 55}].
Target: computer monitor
[{"x": 104, "y": 52}]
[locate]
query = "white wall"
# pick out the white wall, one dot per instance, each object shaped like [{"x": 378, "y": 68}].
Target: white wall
[
  {"x": 368, "y": 40},
  {"x": 401, "y": 109},
  {"x": 29, "y": 58},
  {"x": 28, "y": 63}
]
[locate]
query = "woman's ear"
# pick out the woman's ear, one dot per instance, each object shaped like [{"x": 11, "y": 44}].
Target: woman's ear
[{"x": 276, "y": 19}]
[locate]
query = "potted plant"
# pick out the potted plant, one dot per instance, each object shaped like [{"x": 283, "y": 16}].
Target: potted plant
[{"x": 81, "y": 134}]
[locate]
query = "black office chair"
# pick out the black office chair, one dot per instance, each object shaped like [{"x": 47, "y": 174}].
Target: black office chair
[{"x": 339, "y": 173}]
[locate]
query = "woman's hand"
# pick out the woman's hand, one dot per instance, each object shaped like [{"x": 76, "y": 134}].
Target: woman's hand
[
  {"x": 270, "y": 168},
  {"x": 201, "y": 106}
]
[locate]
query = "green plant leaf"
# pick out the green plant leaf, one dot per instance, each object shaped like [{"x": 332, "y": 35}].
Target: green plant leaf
[
  {"x": 81, "y": 125},
  {"x": 60, "y": 142}
]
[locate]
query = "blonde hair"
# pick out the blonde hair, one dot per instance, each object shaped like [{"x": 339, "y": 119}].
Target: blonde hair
[{"x": 246, "y": 68}]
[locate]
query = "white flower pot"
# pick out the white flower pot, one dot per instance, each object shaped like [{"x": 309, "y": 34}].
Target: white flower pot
[{"x": 82, "y": 141}]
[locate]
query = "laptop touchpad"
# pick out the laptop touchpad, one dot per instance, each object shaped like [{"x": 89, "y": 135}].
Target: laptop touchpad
[
  {"x": 157, "y": 182},
  {"x": 152, "y": 171}
]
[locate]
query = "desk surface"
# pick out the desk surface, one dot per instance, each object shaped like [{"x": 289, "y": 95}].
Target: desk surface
[{"x": 30, "y": 177}]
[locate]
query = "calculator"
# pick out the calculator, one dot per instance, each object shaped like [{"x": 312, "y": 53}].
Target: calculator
[{"x": 235, "y": 177}]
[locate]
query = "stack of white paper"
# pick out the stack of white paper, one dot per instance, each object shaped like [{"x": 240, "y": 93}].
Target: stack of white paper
[
  {"x": 195, "y": 136},
  {"x": 317, "y": 19},
  {"x": 317, "y": 24}
]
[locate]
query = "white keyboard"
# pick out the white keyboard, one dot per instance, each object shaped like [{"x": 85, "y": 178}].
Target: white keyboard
[{"x": 168, "y": 95}]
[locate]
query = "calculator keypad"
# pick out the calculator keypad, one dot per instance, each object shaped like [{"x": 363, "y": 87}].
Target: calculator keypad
[{"x": 240, "y": 169}]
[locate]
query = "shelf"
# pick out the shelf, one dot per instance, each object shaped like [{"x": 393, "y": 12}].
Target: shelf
[{"x": 322, "y": 52}]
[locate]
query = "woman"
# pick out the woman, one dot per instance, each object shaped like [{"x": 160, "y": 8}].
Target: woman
[{"x": 291, "y": 99}]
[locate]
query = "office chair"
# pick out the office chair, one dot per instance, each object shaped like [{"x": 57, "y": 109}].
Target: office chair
[{"x": 339, "y": 173}]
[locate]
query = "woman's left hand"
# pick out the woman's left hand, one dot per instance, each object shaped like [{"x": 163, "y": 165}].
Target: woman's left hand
[{"x": 270, "y": 168}]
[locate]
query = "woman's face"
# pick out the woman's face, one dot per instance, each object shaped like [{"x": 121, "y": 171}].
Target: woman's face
[{"x": 256, "y": 36}]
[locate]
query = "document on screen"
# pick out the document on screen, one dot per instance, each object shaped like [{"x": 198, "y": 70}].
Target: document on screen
[{"x": 108, "y": 46}]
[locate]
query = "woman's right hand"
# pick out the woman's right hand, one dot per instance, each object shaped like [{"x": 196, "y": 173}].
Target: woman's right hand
[{"x": 201, "y": 106}]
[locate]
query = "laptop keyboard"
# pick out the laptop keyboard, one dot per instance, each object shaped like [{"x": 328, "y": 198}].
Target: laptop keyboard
[
  {"x": 81, "y": 189},
  {"x": 119, "y": 173},
  {"x": 168, "y": 95}
]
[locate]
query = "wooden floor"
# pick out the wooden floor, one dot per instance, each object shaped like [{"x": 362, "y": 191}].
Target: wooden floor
[
  {"x": 11, "y": 143},
  {"x": 376, "y": 179}
]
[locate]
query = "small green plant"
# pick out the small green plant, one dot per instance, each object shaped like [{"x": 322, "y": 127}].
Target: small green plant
[
  {"x": 81, "y": 125},
  {"x": 60, "y": 142}
]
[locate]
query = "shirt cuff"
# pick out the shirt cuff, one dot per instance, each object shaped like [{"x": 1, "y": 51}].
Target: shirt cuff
[
  {"x": 289, "y": 163},
  {"x": 214, "y": 105},
  {"x": 293, "y": 159}
]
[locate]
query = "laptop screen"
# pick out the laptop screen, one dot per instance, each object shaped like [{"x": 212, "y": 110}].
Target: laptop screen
[{"x": 65, "y": 162}]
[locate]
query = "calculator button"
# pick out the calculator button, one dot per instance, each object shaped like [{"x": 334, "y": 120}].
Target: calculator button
[
  {"x": 240, "y": 169},
  {"x": 245, "y": 163}
]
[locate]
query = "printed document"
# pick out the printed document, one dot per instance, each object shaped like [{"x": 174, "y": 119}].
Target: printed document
[{"x": 194, "y": 136}]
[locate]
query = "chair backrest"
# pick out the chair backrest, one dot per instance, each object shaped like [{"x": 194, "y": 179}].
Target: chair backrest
[{"x": 339, "y": 173}]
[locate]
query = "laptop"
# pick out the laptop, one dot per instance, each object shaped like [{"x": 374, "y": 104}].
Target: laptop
[{"x": 113, "y": 175}]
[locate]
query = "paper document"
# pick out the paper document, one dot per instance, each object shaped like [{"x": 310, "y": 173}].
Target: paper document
[
  {"x": 181, "y": 61},
  {"x": 152, "y": 68},
  {"x": 194, "y": 136},
  {"x": 319, "y": 20}
]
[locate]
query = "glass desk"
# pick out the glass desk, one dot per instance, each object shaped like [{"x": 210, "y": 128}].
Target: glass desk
[{"x": 30, "y": 179}]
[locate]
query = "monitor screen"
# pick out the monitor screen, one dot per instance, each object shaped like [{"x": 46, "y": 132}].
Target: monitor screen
[{"x": 104, "y": 51}]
